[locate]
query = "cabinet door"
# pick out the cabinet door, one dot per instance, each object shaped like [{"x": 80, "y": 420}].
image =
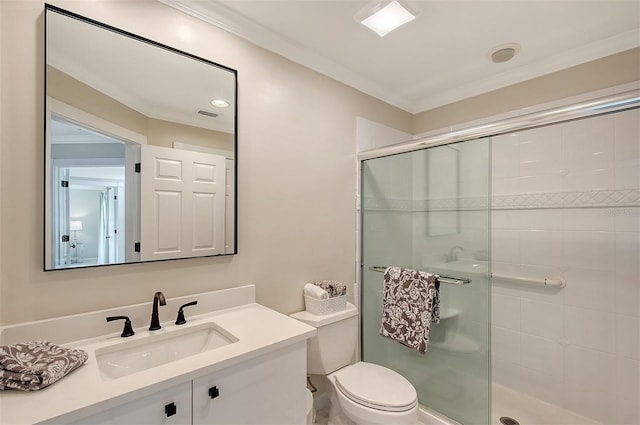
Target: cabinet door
[
  {"x": 172, "y": 406},
  {"x": 267, "y": 390}
]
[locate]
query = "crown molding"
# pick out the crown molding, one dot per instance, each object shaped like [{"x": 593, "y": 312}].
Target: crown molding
[
  {"x": 231, "y": 21},
  {"x": 578, "y": 56}
]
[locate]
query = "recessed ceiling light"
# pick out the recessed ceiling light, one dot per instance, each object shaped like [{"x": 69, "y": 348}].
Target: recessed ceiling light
[
  {"x": 384, "y": 19},
  {"x": 220, "y": 103}
]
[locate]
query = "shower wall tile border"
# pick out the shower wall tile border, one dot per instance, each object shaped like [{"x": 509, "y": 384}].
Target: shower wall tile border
[
  {"x": 578, "y": 199},
  {"x": 388, "y": 204},
  {"x": 591, "y": 198}
]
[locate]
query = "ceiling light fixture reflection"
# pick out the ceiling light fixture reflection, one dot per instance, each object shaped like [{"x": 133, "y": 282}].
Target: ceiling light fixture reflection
[
  {"x": 220, "y": 103},
  {"x": 384, "y": 19}
]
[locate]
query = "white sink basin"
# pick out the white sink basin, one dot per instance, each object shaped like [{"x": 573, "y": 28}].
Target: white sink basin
[{"x": 125, "y": 358}]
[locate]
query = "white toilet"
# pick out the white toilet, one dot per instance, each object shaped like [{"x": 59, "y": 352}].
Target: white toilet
[{"x": 360, "y": 393}]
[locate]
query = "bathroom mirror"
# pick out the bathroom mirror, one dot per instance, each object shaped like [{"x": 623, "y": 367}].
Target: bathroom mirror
[{"x": 140, "y": 148}]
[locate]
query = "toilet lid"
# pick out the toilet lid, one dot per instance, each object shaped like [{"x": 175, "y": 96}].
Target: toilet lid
[{"x": 377, "y": 387}]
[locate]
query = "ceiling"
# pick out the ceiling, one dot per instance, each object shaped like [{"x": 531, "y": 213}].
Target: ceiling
[{"x": 440, "y": 57}]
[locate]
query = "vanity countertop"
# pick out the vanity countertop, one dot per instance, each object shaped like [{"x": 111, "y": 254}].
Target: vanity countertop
[{"x": 259, "y": 330}]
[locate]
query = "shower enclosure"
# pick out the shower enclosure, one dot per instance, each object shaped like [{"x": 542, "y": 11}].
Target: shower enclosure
[
  {"x": 541, "y": 216},
  {"x": 427, "y": 210}
]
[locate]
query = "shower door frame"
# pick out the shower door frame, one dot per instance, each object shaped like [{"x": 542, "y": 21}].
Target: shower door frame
[
  {"x": 626, "y": 98},
  {"x": 629, "y": 99}
]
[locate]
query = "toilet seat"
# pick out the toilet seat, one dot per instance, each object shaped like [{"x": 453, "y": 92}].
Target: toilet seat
[{"x": 376, "y": 387}]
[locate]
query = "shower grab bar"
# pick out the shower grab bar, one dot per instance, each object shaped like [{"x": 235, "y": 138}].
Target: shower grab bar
[
  {"x": 451, "y": 280},
  {"x": 551, "y": 283}
]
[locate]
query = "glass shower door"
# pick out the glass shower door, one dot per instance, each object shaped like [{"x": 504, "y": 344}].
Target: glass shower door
[{"x": 428, "y": 210}]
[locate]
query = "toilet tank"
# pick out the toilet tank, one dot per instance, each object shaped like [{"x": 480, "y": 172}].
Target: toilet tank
[{"x": 335, "y": 341}]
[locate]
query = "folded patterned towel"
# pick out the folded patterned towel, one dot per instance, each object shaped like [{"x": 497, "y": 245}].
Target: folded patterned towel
[
  {"x": 315, "y": 291},
  {"x": 410, "y": 304},
  {"x": 334, "y": 288},
  {"x": 36, "y": 364}
]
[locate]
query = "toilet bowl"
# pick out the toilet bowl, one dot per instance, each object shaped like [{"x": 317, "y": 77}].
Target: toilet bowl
[
  {"x": 360, "y": 393},
  {"x": 367, "y": 393}
]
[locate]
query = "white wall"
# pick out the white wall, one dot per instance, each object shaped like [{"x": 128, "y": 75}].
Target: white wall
[
  {"x": 296, "y": 182},
  {"x": 577, "y": 347},
  {"x": 85, "y": 203}
]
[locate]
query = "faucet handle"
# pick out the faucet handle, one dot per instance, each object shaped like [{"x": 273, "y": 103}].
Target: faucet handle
[
  {"x": 181, "y": 320},
  {"x": 128, "y": 329}
]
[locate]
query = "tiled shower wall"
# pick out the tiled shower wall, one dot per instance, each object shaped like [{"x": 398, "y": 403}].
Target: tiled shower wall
[{"x": 566, "y": 204}]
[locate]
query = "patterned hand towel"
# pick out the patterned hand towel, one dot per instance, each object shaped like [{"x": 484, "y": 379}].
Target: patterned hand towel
[
  {"x": 335, "y": 289},
  {"x": 410, "y": 304},
  {"x": 36, "y": 365}
]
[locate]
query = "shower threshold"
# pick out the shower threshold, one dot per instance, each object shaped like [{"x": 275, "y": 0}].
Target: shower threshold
[{"x": 524, "y": 409}]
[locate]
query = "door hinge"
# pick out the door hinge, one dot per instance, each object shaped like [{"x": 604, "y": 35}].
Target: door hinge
[
  {"x": 64, "y": 183},
  {"x": 65, "y": 238},
  {"x": 136, "y": 247},
  {"x": 137, "y": 167}
]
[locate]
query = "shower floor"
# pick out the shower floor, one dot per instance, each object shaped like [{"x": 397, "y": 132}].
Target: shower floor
[
  {"x": 530, "y": 411},
  {"x": 505, "y": 402}
]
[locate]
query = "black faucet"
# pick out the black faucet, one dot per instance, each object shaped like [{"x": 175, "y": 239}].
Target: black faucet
[
  {"x": 155, "y": 320},
  {"x": 127, "y": 330},
  {"x": 180, "y": 320}
]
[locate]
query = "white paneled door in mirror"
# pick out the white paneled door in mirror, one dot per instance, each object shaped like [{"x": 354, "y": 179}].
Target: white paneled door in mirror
[{"x": 183, "y": 203}]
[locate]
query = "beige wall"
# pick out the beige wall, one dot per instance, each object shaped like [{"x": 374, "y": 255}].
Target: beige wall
[
  {"x": 67, "y": 89},
  {"x": 164, "y": 133},
  {"x": 297, "y": 172},
  {"x": 614, "y": 70}
]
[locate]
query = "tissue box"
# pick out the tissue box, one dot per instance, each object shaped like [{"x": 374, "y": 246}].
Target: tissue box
[{"x": 328, "y": 306}]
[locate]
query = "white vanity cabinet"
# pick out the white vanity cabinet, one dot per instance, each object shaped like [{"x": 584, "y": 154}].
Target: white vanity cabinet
[
  {"x": 259, "y": 377},
  {"x": 171, "y": 406},
  {"x": 267, "y": 389}
]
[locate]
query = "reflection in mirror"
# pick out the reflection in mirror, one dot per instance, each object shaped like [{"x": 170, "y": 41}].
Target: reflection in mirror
[{"x": 140, "y": 162}]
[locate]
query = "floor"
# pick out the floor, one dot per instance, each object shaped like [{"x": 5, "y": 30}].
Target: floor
[{"x": 322, "y": 416}]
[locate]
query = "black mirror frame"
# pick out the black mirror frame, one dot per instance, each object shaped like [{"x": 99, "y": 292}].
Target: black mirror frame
[{"x": 51, "y": 8}]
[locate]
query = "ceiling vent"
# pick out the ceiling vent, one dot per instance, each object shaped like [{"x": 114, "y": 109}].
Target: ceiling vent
[
  {"x": 207, "y": 113},
  {"x": 504, "y": 52}
]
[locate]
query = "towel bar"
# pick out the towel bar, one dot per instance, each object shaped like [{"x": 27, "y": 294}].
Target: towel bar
[
  {"x": 553, "y": 283},
  {"x": 451, "y": 280}
]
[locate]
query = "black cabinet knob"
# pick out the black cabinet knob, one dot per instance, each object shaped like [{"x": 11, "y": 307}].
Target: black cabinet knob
[
  {"x": 214, "y": 392},
  {"x": 170, "y": 409}
]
